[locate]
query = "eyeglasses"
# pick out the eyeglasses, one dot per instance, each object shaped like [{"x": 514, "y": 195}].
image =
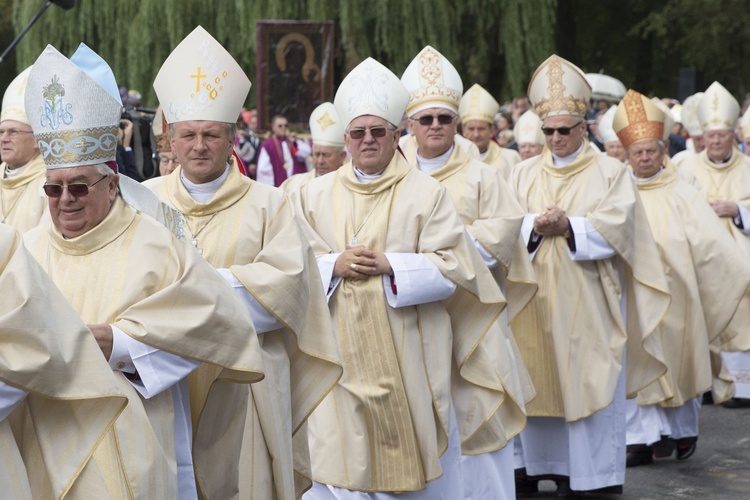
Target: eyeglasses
[
  {"x": 14, "y": 132},
  {"x": 166, "y": 161},
  {"x": 77, "y": 189},
  {"x": 559, "y": 130},
  {"x": 427, "y": 120},
  {"x": 375, "y": 132}
]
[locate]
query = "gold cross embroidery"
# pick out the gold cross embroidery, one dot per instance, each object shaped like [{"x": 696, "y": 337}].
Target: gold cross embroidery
[
  {"x": 83, "y": 145},
  {"x": 198, "y": 76}
]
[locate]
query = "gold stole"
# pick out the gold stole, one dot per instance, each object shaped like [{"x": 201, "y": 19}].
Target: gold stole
[
  {"x": 23, "y": 204},
  {"x": 497, "y": 160},
  {"x": 365, "y": 338}
]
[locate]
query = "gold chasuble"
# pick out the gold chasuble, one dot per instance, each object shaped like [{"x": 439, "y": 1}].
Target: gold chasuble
[
  {"x": 385, "y": 425},
  {"x": 492, "y": 215},
  {"x": 572, "y": 334},
  {"x": 707, "y": 274},
  {"x": 251, "y": 229},
  {"x": 131, "y": 272},
  {"x": 728, "y": 182},
  {"x": 501, "y": 159},
  {"x": 22, "y": 201},
  {"x": 73, "y": 398}
]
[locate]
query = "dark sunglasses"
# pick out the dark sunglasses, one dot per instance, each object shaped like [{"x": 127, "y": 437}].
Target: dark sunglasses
[
  {"x": 77, "y": 189},
  {"x": 427, "y": 120},
  {"x": 559, "y": 130},
  {"x": 375, "y": 132}
]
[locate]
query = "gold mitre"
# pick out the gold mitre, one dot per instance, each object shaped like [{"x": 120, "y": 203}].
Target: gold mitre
[
  {"x": 161, "y": 132},
  {"x": 690, "y": 115},
  {"x": 201, "y": 81},
  {"x": 478, "y": 104},
  {"x": 325, "y": 126},
  {"x": 718, "y": 110},
  {"x": 74, "y": 108},
  {"x": 528, "y": 129},
  {"x": 668, "y": 118},
  {"x": 638, "y": 119},
  {"x": 13, "y": 105},
  {"x": 606, "y": 129},
  {"x": 559, "y": 88},
  {"x": 371, "y": 89},
  {"x": 432, "y": 82}
]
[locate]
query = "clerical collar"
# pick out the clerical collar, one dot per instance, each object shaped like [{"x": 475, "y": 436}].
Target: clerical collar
[
  {"x": 429, "y": 165},
  {"x": 564, "y": 161},
  {"x": 202, "y": 193},
  {"x": 639, "y": 180},
  {"x": 482, "y": 155},
  {"x": 12, "y": 172},
  {"x": 723, "y": 162},
  {"x": 366, "y": 178}
]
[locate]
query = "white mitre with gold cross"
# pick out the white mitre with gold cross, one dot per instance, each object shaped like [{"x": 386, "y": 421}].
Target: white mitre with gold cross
[
  {"x": 559, "y": 88},
  {"x": 478, "y": 104},
  {"x": 326, "y": 128},
  {"x": 718, "y": 110},
  {"x": 74, "y": 108},
  {"x": 13, "y": 105},
  {"x": 371, "y": 89},
  {"x": 200, "y": 80},
  {"x": 432, "y": 82},
  {"x": 528, "y": 129}
]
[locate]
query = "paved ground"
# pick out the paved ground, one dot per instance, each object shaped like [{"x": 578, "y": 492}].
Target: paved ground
[{"x": 719, "y": 469}]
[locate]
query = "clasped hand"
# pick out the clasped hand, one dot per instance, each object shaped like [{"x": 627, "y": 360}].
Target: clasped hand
[
  {"x": 358, "y": 262},
  {"x": 552, "y": 222}
]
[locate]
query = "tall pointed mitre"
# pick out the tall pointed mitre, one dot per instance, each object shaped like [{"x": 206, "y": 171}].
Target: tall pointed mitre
[
  {"x": 668, "y": 119},
  {"x": 201, "y": 81},
  {"x": 432, "y": 82},
  {"x": 528, "y": 129},
  {"x": 326, "y": 128},
  {"x": 478, "y": 104},
  {"x": 718, "y": 110},
  {"x": 74, "y": 108},
  {"x": 13, "y": 105},
  {"x": 161, "y": 131},
  {"x": 690, "y": 115},
  {"x": 745, "y": 124},
  {"x": 638, "y": 119},
  {"x": 371, "y": 89},
  {"x": 606, "y": 130},
  {"x": 559, "y": 88}
]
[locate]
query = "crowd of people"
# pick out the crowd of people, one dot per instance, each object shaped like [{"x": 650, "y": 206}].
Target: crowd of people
[{"x": 434, "y": 297}]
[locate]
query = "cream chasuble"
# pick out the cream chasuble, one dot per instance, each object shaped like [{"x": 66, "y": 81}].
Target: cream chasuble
[
  {"x": 707, "y": 276},
  {"x": 251, "y": 229},
  {"x": 574, "y": 355},
  {"x": 501, "y": 159},
  {"x": 73, "y": 398},
  {"x": 491, "y": 214},
  {"x": 385, "y": 425},
  {"x": 409, "y": 146},
  {"x": 292, "y": 185},
  {"x": 728, "y": 182},
  {"x": 129, "y": 271},
  {"x": 22, "y": 201}
]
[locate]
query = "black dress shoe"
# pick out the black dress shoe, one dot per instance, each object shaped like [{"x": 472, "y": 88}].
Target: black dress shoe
[
  {"x": 735, "y": 403},
  {"x": 663, "y": 448},
  {"x": 563, "y": 489},
  {"x": 525, "y": 487},
  {"x": 639, "y": 454},
  {"x": 708, "y": 398},
  {"x": 686, "y": 447},
  {"x": 607, "y": 490}
]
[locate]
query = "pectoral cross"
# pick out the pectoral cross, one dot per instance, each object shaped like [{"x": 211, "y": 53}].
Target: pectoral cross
[{"x": 195, "y": 244}]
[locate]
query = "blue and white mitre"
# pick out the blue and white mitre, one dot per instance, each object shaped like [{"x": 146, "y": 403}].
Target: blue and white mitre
[
  {"x": 74, "y": 108},
  {"x": 371, "y": 89}
]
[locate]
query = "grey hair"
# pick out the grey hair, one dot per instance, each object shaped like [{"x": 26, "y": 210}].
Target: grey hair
[
  {"x": 231, "y": 130},
  {"x": 659, "y": 142},
  {"x": 104, "y": 169}
]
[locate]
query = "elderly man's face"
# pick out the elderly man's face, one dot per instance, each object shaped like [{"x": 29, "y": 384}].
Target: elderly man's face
[
  {"x": 371, "y": 154},
  {"x": 615, "y": 150},
  {"x": 698, "y": 143},
  {"x": 167, "y": 163},
  {"x": 17, "y": 144},
  {"x": 529, "y": 149},
  {"x": 327, "y": 159},
  {"x": 646, "y": 158},
  {"x": 203, "y": 148},
  {"x": 479, "y": 132},
  {"x": 434, "y": 138},
  {"x": 562, "y": 144},
  {"x": 719, "y": 144},
  {"x": 74, "y": 216}
]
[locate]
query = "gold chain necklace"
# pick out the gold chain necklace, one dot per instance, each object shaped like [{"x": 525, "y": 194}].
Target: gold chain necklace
[{"x": 194, "y": 236}]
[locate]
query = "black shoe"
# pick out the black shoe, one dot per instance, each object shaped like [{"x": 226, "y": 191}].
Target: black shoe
[
  {"x": 663, "y": 448},
  {"x": 639, "y": 454},
  {"x": 735, "y": 403},
  {"x": 563, "y": 489},
  {"x": 686, "y": 447},
  {"x": 525, "y": 487},
  {"x": 607, "y": 490},
  {"x": 708, "y": 398}
]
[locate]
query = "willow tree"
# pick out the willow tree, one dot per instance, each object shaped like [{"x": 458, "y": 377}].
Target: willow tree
[{"x": 494, "y": 43}]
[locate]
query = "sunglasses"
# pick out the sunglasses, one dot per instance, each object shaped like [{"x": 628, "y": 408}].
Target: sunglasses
[
  {"x": 375, "y": 132},
  {"x": 559, "y": 130},
  {"x": 427, "y": 120},
  {"x": 77, "y": 189}
]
